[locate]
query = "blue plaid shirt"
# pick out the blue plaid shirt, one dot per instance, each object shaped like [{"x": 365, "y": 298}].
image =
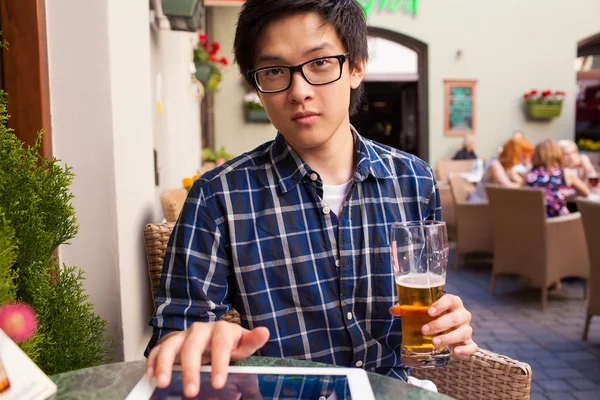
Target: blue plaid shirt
[{"x": 256, "y": 235}]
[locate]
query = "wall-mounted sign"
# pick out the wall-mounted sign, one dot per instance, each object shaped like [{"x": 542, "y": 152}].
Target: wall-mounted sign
[
  {"x": 459, "y": 107},
  {"x": 407, "y": 6}
]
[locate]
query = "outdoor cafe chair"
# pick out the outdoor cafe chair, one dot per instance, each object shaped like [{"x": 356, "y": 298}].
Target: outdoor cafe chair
[
  {"x": 590, "y": 214},
  {"x": 172, "y": 201},
  {"x": 527, "y": 243},
  {"x": 473, "y": 221},
  {"x": 484, "y": 375}
]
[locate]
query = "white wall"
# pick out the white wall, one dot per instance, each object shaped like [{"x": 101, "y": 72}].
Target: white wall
[
  {"x": 231, "y": 130},
  {"x": 99, "y": 58},
  {"x": 129, "y": 41},
  {"x": 509, "y": 47},
  {"x": 82, "y": 125},
  {"x": 177, "y": 128},
  {"x": 390, "y": 61}
]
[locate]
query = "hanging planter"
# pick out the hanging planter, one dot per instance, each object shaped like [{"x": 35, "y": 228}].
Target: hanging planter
[
  {"x": 203, "y": 71},
  {"x": 543, "y": 111},
  {"x": 184, "y": 15},
  {"x": 545, "y": 105},
  {"x": 208, "y": 66},
  {"x": 256, "y": 115},
  {"x": 253, "y": 108}
]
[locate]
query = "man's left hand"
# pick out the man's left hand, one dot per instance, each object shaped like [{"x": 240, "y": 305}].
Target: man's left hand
[{"x": 453, "y": 320}]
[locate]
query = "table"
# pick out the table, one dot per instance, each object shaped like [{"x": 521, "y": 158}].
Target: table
[{"x": 115, "y": 381}]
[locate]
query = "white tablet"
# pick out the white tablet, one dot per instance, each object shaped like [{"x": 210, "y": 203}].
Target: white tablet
[{"x": 266, "y": 383}]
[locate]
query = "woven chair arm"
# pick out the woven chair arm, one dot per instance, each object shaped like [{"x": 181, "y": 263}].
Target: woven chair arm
[{"x": 484, "y": 375}]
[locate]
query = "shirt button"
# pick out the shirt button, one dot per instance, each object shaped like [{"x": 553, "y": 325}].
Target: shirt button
[
  {"x": 314, "y": 177},
  {"x": 326, "y": 210},
  {"x": 349, "y": 315},
  {"x": 337, "y": 262},
  {"x": 359, "y": 363}
]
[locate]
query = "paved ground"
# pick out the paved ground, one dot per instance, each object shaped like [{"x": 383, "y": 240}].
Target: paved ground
[{"x": 511, "y": 323}]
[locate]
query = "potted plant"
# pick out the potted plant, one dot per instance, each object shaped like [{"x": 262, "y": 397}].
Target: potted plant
[
  {"x": 208, "y": 66},
  {"x": 253, "y": 108},
  {"x": 543, "y": 104}
]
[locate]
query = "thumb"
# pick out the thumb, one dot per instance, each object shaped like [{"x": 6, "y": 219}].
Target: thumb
[
  {"x": 249, "y": 342},
  {"x": 395, "y": 310}
]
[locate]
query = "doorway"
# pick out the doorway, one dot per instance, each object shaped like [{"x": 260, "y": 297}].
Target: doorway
[
  {"x": 587, "y": 111},
  {"x": 396, "y": 110}
]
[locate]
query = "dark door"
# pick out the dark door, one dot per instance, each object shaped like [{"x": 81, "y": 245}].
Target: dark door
[{"x": 389, "y": 115}]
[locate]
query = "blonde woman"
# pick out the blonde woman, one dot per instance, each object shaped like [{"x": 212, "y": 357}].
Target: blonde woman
[
  {"x": 580, "y": 164},
  {"x": 500, "y": 170},
  {"x": 548, "y": 174}
]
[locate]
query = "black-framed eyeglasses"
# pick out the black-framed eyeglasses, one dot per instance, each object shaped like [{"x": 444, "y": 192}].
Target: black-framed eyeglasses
[{"x": 318, "y": 71}]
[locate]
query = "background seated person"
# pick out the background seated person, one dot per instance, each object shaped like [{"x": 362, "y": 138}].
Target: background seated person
[
  {"x": 500, "y": 170},
  {"x": 548, "y": 173},
  {"x": 580, "y": 164},
  {"x": 467, "y": 152}
]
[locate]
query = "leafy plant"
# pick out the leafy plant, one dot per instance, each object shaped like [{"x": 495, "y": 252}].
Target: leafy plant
[
  {"x": 8, "y": 249},
  {"x": 546, "y": 97},
  {"x": 36, "y": 199},
  {"x": 206, "y": 52},
  {"x": 210, "y": 156}
]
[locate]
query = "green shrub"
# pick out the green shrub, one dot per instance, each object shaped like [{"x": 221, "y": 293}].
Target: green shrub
[{"x": 35, "y": 197}]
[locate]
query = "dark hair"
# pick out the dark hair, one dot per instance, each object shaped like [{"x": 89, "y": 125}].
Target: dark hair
[{"x": 346, "y": 16}]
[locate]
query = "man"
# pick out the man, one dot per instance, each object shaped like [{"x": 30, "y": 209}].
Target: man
[
  {"x": 467, "y": 152},
  {"x": 294, "y": 234}
]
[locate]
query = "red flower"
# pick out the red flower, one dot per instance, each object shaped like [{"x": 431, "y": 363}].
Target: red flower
[
  {"x": 213, "y": 59},
  {"x": 224, "y": 61},
  {"x": 18, "y": 321},
  {"x": 546, "y": 93},
  {"x": 527, "y": 95},
  {"x": 216, "y": 47},
  {"x": 534, "y": 92},
  {"x": 203, "y": 37},
  {"x": 205, "y": 45}
]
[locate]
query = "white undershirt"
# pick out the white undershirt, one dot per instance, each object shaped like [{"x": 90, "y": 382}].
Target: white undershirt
[{"x": 335, "y": 195}]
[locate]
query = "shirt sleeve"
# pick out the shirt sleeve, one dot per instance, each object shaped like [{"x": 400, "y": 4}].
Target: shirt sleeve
[
  {"x": 194, "y": 282},
  {"x": 435, "y": 202}
]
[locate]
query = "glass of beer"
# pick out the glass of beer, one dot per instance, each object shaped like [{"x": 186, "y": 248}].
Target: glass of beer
[
  {"x": 419, "y": 253},
  {"x": 593, "y": 181}
]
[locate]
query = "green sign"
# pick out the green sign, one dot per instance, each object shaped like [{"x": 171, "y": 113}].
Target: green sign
[
  {"x": 461, "y": 108},
  {"x": 407, "y": 6}
]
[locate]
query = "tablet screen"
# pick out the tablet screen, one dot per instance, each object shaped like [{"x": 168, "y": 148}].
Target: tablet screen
[{"x": 265, "y": 387}]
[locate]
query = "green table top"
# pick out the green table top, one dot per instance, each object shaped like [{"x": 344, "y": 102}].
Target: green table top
[{"x": 115, "y": 381}]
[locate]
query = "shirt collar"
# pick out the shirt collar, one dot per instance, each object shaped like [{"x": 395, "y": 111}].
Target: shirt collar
[{"x": 291, "y": 169}]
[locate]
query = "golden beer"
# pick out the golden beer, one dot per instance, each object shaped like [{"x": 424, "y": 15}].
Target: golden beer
[{"x": 416, "y": 293}]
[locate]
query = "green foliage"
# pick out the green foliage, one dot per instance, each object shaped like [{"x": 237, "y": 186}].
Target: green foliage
[
  {"x": 8, "y": 248},
  {"x": 36, "y": 198},
  {"x": 211, "y": 156}
]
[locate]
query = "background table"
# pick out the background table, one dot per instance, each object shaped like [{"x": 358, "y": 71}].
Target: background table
[{"x": 115, "y": 381}]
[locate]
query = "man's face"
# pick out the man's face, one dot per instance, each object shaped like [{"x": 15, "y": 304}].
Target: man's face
[{"x": 308, "y": 116}]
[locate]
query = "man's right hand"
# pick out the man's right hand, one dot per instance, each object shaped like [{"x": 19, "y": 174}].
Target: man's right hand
[{"x": 216, "y": 343}]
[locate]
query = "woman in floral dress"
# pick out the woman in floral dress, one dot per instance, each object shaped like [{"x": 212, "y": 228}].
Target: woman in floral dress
[{"x": 548, "y": 174}]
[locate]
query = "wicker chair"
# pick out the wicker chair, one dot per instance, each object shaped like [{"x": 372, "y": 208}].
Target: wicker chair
[
  {"x": 172, "y": 202},
  {"x": 156, "y": 237},
  {"x": 590, "y": 214},
  {"x": 526, "y": 243},
  {"x": 473, "y": 221},
  {"x": 484, "y": 375}
]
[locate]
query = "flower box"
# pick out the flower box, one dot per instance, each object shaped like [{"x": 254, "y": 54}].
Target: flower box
[
  {"x": 184, "y": 15},
  {"x": 543, "y": 111},
  {"x": 254, "y": 115},
  {"x": 203, "y": 71}
]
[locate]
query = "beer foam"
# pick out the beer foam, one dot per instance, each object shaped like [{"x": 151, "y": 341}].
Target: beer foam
[{"x": 421, "y": 281}]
